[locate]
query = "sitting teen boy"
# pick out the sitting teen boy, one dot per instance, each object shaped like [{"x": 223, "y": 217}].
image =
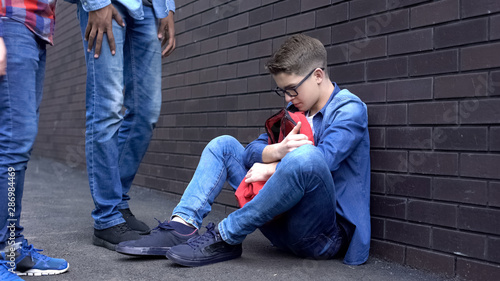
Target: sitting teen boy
[{"x": 315, "y": 202}]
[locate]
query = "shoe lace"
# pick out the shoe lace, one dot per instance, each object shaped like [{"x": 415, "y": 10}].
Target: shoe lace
[
  {"x": 33, "y": 252},
  {"x": 122, "y": 228},
  {"x": 126, "y": 213},
  {"x": 163, "y": 225},
  {"x": 209, "y": 235}
]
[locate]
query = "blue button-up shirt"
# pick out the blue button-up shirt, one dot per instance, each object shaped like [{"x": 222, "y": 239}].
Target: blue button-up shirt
[
  {"x": 161, "y": 7},
  {"x": 341, "y": 133}
]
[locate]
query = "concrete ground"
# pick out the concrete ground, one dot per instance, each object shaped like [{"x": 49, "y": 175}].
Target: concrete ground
[{"x": 56, "y": 217}]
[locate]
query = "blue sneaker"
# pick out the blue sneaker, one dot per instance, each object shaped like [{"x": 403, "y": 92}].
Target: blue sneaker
[
  {"x": 205, "y": 249},
  {"x": 6, "y": 274},
  {"x": 30, "y": 262}
]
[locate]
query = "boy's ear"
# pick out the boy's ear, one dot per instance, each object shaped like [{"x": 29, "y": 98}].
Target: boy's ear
[{"x": 319, "y": 75}]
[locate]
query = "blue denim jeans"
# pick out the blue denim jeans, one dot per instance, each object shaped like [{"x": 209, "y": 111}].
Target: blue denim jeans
[
  {"x": 20, "y": 96},
  {"x": 115, "y": 143},
  {"x": 295, "y": 209}
]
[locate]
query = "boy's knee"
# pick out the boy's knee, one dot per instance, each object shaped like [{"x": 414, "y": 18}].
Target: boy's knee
[
  {"x": 303, "y": 158},
  {"x": 223, "y": 141}
]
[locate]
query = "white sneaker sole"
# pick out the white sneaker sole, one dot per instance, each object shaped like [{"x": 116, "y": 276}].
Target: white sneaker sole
[{"x": 38, "y": 272}]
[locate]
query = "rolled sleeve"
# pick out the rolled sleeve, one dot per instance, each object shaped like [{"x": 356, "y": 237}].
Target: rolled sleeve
[
  {"x": 253, "y": 151},
  {"x": 162, "y": 7},
  {"x": 93, "y": 5},
  {"x": 344, "y": 133}
]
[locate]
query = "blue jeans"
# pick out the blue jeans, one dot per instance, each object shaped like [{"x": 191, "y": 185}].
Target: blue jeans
[
  {"x": 20, "y": 96},
  {"x": 295, "y": 209},
  {"x": 115, "y": 143}
]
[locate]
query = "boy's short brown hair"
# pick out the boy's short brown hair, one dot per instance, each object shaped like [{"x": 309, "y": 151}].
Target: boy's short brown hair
[{"x": 298, "y": 55}]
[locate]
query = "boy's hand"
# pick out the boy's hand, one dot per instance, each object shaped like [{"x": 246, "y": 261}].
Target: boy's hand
[
  {"x": 100, "y": 22},
  {"x": 166, "y": 33},
  {"x": 260, "y": 172},
  {"x": 291, "y": 142},
  {"x": 3, "y": 58}
]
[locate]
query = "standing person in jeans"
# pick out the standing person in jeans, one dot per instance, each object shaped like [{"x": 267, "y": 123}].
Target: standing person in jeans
[
  {"x": 122, "y": 41},
  {"x": 26, "y": 26},
  {"x": 315, "y": 202}
]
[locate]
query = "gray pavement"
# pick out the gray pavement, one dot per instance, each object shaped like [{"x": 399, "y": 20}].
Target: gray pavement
[{"x": 56, "y": 217}]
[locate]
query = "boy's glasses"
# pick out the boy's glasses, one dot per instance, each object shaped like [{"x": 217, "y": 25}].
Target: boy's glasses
[{"x": 292, "y": 92}]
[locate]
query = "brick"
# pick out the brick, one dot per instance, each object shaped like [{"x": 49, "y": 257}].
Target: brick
[
  {"x": 237, "y": 54},
  {"x": 301, "y": 22},
  {"x": 227, "y": 71},
  {"x": 248, "y": 68},
  {"x": 388, "y": 251},
  {"x": 377, "y": 183},
  {"x": 237, "y": 119},
  {"x": 411, "y": 41},
  {"x": 348, "y": 73},
  {"x": 462, "y": 138},
  {"x": 260, "y": 15},
  {"x": 480, "y": 57},
  {"x": 479, "y": 219},
  {"x": 260, "y": 84},
  {"x": 480, "y": 112},
  {"x": 377, "y": 137},
  {"x": 377, "y": 228},
  {"x": 417, "y": 138},
  {"x": 349, "y": 31},
  {"x": 218, "y": 28},
  {"x": 493, "y": 245},
  {"x": 494, "y": 84},
  {"x": 313, "y": 4},
  {"x": 480, "y": 165},
  {"x": 433, "y": 113},
  {"x": 434, "y": 63},
  {"x": 389, "y": 22},
  {"x": 248, "y": 5},
  {"x": 387, "y": 114},
  {"x": 338, "y": 54},
  {"x": 286, "y": 8},
  {"x": 387, "y": 68},
  {"x": 237, "y": 86},
  {"x": 369, "y": 92},
  {"x": 273, "y": 28},
  {"x": 386, "y": 160},
  {"x": 494, "y": 194},
  {"x": 239, "y": 22},
  {"x": 433, "y": 163},
  {"x": 322, "y": 34},
  {"x": 464, "y": 32},
  {"x": 495, "y": 27},
  {"x": 360, "y": 8},
  {"x": 461, "y": 85},
  {"x": 472, "y": 8},
  {"x": 433, "y": 13},
  {"x": 495, "y": 138},
  {"x": 476, "y": 270},
  {"x": 368, "y": 48},
  {"x": 332, "y": 15},
  {"x": 460, "y": 190},
  {"x": 431, "y": 261},
  {"x": 432, "y": 213},
  {"x": 260, "y": 49},
  {"x": 248, "y": 102},
  {"x": 413, "y": 89},
  {"x": 251, "y": 34},
  {"x": 388, "y": 206},
  {"x": 393, "y": 4},
  {"x": 407, "y": 233},
  {"x": 227, "y": 103},
  {"x": 408, "y": 185}
]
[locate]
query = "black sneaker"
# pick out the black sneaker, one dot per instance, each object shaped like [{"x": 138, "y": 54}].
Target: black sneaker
[
  {"x": 110, "y": 237},
  {"x": 134, "y": 223},
  {"x": 161, "y": 239},
  {"x": 205, "y": 249}
]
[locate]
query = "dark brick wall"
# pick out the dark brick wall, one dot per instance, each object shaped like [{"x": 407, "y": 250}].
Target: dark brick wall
[{"x": 428, "y": 70}]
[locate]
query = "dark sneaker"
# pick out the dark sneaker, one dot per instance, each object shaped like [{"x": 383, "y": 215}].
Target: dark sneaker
[
  {"x": 161, "y": 239},
  {"x": 134, "y": 223},
  {"x": 6, "y": 274},
  {"x": 205, "y": 249},
  {"x": 110, "y": 237},
  {"x": 30, "y": 262}
]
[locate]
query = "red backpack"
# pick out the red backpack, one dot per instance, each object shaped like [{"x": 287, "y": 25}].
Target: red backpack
[{"x": 277, "y": 127}]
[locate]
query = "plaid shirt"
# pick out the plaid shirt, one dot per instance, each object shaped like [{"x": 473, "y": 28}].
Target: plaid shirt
[{"x": 37, "y": 15}]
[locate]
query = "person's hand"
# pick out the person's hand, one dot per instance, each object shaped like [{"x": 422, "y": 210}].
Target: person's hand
[
  {"x": 166, "y": 33},
  {"x": 291, "y": 142},
  {"x": 260, "y": 172},
  {"x": 3, "y": 58},
  {"x": 100, "y": 22}
]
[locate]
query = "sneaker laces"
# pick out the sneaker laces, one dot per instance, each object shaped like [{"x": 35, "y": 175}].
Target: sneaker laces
[
  {"x": 32, "y": 252},
  {"x": 209, "y": 235},
  {"x": 163, "y": 225},
  {"x": 123, "y": 227}
]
